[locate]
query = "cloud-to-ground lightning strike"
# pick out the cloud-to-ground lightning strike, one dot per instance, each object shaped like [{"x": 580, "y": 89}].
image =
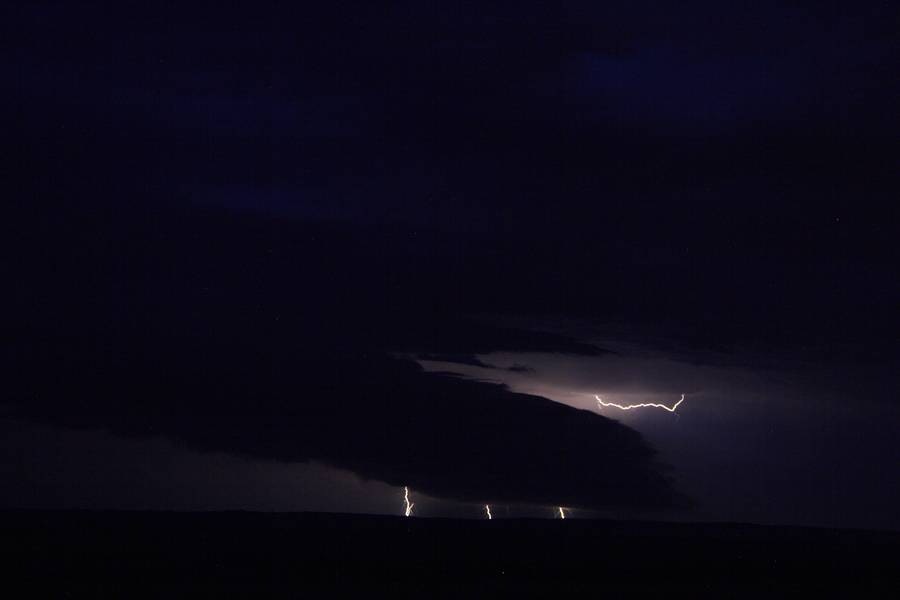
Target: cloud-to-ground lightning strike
[
  {"x": 487, "y": 509},
  {"x": 562, "y": 512},
  {"x": 409, "y": 505},
  {"x": 671, "y": 409}
]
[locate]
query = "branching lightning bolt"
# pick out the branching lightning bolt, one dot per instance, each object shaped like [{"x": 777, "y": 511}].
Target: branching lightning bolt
[
  {"x": 601, "y": 404},
  {"x": 487, "y": 508},
  {"x": 409, "y": 505}
]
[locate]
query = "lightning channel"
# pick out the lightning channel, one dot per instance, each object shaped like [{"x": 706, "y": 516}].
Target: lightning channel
[
  {"x": 409, "y": 505},
  {"x": 487, "y": 509},
  {"x": 601, "y": 404}
]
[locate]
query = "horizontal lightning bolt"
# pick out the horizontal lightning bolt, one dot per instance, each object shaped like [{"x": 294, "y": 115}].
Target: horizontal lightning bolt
[{"x": 671, "y": 409}]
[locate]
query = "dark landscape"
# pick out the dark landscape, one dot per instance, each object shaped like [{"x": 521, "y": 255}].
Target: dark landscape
[{"x": 159, "y": 554}]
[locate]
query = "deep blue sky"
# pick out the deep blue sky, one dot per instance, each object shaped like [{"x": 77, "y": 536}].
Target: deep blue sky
[{"x": 226, "y": 226}]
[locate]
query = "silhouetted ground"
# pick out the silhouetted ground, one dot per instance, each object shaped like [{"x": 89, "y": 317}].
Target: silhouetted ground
[{"x": 158, "y": 554}]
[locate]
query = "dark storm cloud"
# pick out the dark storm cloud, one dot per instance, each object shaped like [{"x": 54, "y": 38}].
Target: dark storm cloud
[
  {"x": 381, "y": 418},
  {"x": 240, "y": 336},
  {"x": 706, "y": 166},
  {"x": 719, "y": 163}
]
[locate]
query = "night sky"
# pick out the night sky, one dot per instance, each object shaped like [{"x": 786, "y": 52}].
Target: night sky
[{"x": 277, "y": 257}]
